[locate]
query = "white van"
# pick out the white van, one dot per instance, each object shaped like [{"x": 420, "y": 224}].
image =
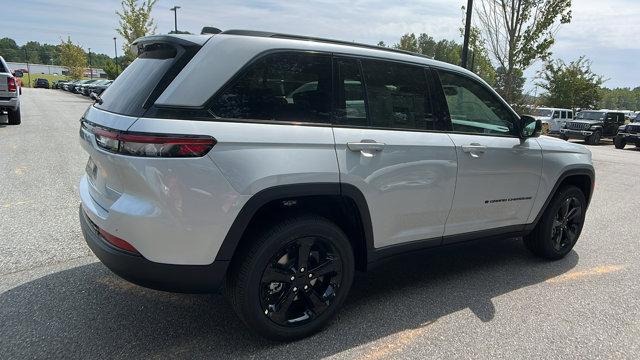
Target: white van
[{"x": 554, "y": 117}]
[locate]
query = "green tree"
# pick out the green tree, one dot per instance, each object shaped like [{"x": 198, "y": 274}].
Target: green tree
[
  {"x": 571, "y": 86},
  {"x": 408, "y": 42},
  {"x": 111, "y": 69},
  {"x": 135, "y": 22},
  {"x": 73, "y": 57},
  {"x": 519, "y": 32},
  {"x": 381, "y": 44},
  {"x": 620, "y": 98}
]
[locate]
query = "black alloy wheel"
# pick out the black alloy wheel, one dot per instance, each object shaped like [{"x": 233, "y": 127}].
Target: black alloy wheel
[
  {"x": 560, "y": 226},
  {"x": 290, "y": 277},
  {"x": 300, "y": 281},
  {"x": 566, "y": 225}
]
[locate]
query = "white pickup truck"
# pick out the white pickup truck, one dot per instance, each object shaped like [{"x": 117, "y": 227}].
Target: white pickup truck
[{"x": 9, "y": 94}]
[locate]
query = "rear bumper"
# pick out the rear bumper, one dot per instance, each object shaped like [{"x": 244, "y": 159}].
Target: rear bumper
[
  {"x": 9, "y": 103},
  {"x": 138, "y": 270},
  {"x": 576, "y": 134}
]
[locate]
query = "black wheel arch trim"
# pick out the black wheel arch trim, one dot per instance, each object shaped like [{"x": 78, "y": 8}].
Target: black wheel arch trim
[
  {"x": 282, "y": 192},
  {"x": 566, "y": 174}
]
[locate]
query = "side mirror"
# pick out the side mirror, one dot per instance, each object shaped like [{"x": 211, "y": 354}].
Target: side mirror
[
  {"x": 529, "y": 127},
  {"x": 18, "y": 74},
  {"x": 93, "y": 96}
]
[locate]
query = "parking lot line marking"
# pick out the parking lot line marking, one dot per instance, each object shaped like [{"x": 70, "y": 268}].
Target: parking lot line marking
[
  {"x": 8, "y": 205},
  {"x": 575, "y": 275},
  {"x": 396, "y": 344}
]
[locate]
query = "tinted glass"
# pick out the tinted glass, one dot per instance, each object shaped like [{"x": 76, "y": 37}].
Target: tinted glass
[
  {"x": 397, "y": 95},
  {"x": 473, "y": 108},
  {"x": 564, "y": 114},
  {"x": 282, "y": 87},
  {"x": 570, "y": 114},
  {"x": 350, "y": 108},
  {"x": 129, "y": 92}
]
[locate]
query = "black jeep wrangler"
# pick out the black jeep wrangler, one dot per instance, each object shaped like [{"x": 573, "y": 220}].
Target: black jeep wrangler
[
  {"x": 592, "y": 126},
  {"x": 629, "y": 133}
]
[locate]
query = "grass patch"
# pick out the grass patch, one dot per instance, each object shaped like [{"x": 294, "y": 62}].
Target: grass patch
[{"x": 34, "y": 76}]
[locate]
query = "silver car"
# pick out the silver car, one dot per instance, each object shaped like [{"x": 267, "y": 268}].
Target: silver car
[{"x": 278, "y": 165}]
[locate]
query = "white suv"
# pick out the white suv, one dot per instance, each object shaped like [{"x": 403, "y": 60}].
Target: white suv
[{"x": 277, "y": 165}]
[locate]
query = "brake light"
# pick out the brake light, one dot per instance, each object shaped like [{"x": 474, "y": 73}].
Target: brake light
[
  {"x": 151, "y": 145},
  {"x": 117, "y": 242},
  {"x": 11, "y": 83}
]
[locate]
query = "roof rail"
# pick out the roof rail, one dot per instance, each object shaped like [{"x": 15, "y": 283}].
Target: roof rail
[{"x": 323, "y": 40}]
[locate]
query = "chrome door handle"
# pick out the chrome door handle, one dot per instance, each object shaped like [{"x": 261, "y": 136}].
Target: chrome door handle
[
  {"x": 367, "y": 148},
  {"x": 474, "y": 148},
  {"x": 366, "y": 145}
]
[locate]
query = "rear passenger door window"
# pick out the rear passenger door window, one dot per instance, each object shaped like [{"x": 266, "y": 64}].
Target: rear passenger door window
[
  {"x": 282, "y": 86},
  {"x": 397, "y": 96},
  {"x": 473, "y": 108}
]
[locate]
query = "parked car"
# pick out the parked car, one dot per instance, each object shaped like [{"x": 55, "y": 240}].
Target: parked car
[
  {"x": 41, "y": 83},
  {"x": 88, "y": 88},
  {"x": 9, "y": 94},
  {"x": 68, "y": 86},
  {"x": 555, "y": 117},
  {"x": 294, "y": 161},
  {"x": 78, "y": 88},
  {"x": 97, "y": 90},
  {"x": 628, "y": 134},
  {"x": 592, "y": 126},
  {"x": 57, "y": 84}
]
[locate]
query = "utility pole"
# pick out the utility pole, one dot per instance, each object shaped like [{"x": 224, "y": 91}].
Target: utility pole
[
  {"x": 115, "y": 50},
  {"x": 90, "y": 69},
  {"x": 175, "y": 18},
  {"x": 26, "y": 60},
  {"x": 467, "y": 33}
]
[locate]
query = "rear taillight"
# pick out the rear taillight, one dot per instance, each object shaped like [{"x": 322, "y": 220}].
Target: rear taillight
[
  {"x": 12, "y": 87},
  {"x": 151, "y": 145}
]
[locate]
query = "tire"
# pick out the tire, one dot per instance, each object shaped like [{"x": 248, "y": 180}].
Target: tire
[
  {"x": 594, "y": 139},
  {"x": 14, "y": 117},
  {"x": 256, "y": 299},
  {"x": 619, "y": 143},
  {"x": 543, "y": 240},
  {"x": 564, "y": 137}
]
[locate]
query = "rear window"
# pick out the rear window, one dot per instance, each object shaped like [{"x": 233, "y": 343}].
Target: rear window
[{"x": 136, "y": 87}]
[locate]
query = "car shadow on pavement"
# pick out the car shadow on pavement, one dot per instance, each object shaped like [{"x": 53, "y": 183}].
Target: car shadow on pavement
[{"x": 87, "y": 312}]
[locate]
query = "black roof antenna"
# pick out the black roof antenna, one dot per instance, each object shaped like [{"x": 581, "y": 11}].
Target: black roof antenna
[{"x": 210, "y": 30}]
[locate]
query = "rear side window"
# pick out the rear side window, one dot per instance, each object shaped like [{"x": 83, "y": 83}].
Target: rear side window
[
  {"x": 282, "y": 87},
  {"x": 129, "y": 93},
  {"x": 397, "y": 95}
]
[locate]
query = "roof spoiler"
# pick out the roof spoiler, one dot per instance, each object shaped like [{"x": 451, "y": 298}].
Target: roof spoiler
[{"x": 180, "y": 40}]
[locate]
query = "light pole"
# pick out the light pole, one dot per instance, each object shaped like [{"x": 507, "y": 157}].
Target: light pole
[
  {"x": 90, "y": 70},
  {"x": 115, "y": 50},
  {"x": 467, "y": 31},
  {"x": 175, "y": 18}
]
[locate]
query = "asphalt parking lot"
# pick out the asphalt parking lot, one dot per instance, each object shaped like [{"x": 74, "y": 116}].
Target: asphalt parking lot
[{"x": 486, "y": 300}]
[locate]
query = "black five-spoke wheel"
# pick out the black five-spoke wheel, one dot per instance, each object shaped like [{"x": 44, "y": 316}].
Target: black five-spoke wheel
[
  {"x": 291, "y": 278},
  {"x": 560, "y": 226},
  {"x": 567, "y": 223},
  {"x": 300, "y": 281}
]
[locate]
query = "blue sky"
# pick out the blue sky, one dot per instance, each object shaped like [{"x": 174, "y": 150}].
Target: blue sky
[{"x": 606, "y": 31}]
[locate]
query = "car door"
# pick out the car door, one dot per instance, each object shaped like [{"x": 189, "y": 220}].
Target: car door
[
  {"x": 394, "y": 149},
  {"x": 498, "y": 173}
]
